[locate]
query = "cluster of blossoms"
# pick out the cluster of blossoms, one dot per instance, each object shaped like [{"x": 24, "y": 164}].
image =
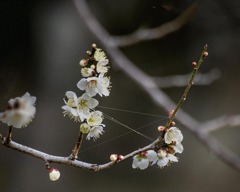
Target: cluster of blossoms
[
  {"x": 94, "y": 82},
  {"x": 19, "y": 112},
  {"x": 165, "y": 154}
]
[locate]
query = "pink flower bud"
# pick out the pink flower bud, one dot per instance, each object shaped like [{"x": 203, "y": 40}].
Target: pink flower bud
[
  {"x": 114, "y": 157},
  {"x": 194, "y": 64},
  {"x": 120, "y": 157},
  {"x": 54, "y": 174}
]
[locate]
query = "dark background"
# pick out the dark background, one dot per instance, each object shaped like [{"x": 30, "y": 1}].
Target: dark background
[{"x": 41, "y": 43}]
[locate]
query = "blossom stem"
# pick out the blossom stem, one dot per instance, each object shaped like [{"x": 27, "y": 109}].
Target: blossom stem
[
  {"x": 189, "y": 85},
  {"x": 9, "y": 135},
  {"x": 77, "y": 147}
]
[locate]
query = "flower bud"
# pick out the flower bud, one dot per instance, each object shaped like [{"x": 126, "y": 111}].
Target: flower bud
[
  {"x": 194, "y": 64},
  {"x": 171, "y": 112},
  {"x": 114, "y": 157},
  {"x": 94, "y": 45},
  {"x": 54, "y": 174},
  {"x": 83, "y": 62},
  {"x": 172, "y": 124},
  {"x": 205, "y": 54},
  {"x": 161, "y": 128},
  {"x": 92, "y": 67},
  {"x": 120, "y": 157},
  {"x": 89, "y": 53},
  {"x": 84, "y": 128}
]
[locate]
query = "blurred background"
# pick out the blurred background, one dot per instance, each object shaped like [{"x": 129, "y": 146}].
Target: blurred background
[{"x": 41, "y": 43}]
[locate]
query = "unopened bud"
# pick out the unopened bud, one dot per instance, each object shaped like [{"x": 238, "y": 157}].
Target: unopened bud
[
  {"x": 171, "y": 112},
  {"x": 120, "y": 157},
  {"x": 205, "y": 54},
  {"x": 89, "y": 53},
  {"x": 161, "y": 128},
  {"x": 114, "y": 157},
  {"x": 194, "y": 64},
  {"x": 54, "y": 174},
  {"x": 92, "y": 67},
  {"x": 84, "y": 128},
  {"x": 173, "y": 124},
  {"x": 94, "y": 46},
  {"x": 83, "y": 62}
]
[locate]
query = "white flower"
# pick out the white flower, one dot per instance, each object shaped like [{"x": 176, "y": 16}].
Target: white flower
[
  {"x": 101, "y": 66},
  {"x": 87, "y": 72},
  {"x": 95, "y": 85},
  {"x": 173, "y": 135},
  {"x": 54, "y": 174},
  {"x": 20, "y": 111},
  {"x": 99, "y": 54},
  {"x": 144, "y": 159},
  {"x": 165, "y": 158},
  {"x": 95, "y": 132},
  {"x": 70, "y": 108},
  {"x": 78, "y": 108},
  {"x": 95, "y": 118}
]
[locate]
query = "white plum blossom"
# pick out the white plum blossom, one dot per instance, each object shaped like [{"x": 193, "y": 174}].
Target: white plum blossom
[
  {"x": 95, "y": 118},
  {"x": 165, "y": 158},
  {"x": 54, "y": 174},
  {"x": 70, "y": 108},
  {"x": 101, "y": 66},
  {"x": 78, "y": 108},
  {"x": 99, "y": 54},
  {"x": 95, "y": 132},
  {"x": 20, "y": 111},
  {"x": 95, "y": 85},
  {"x": 144, "y": 159},
  {"x": 173, "y": 134}
]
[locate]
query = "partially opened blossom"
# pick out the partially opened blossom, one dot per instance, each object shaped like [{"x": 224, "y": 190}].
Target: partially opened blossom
[
  {"x": 95, "y": 132},
  {"x": 173, "y": 134},
  {"x": 87, "y": 72},
  {"x": 99, "y": 54},
  {"x": 165, "y": 158},
  {"x": 102, "y": 66},
  {"x": 20, "y": 111}
]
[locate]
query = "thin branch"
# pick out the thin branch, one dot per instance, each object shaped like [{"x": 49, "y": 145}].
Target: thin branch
[
  {"x": 9, "y": 134},
  {"x": 182, "y": 80},
  {"x": 47, "y": 158},
  {"x": 189, "y": 85},
  {"x": 150, "y": 87},
  {"x": 77, "y": 147},
  {"x": 158, "y": 32}
]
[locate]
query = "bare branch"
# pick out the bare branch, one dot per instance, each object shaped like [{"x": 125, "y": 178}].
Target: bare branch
[
  {"x": 182, "y": 80},
  {"x": 47, "y": 158},
  {"x": 158, "y": 32}
]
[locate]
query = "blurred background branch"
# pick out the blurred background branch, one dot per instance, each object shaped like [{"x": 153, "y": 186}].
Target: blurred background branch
[{"x": 158, "y": 32}]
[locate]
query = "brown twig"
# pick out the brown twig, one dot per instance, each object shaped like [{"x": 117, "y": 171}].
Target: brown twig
[
  {"x": 9, "y": 135},
  {"x": 189, "y": 85},
  {"x": 77, "y": 147}
]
